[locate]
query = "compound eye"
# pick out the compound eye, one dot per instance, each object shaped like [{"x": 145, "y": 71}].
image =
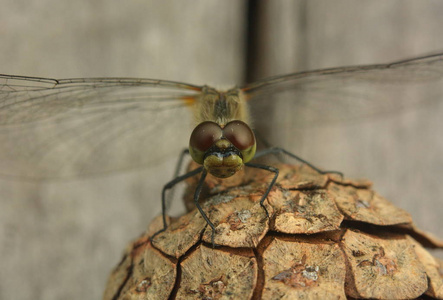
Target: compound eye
[
  {"x": 204, "y": 135},
  {"x": 239, "y": 134}
]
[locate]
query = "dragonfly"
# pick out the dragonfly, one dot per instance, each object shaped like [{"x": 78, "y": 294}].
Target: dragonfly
[{"x": 63, "y": 128}]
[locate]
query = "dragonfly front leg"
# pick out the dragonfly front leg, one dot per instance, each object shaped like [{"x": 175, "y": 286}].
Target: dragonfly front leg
[
  {"x": 277, "y": 150},
  {"x": 197, "y": 204},
  {"x": 270, "y": 169},
  {"x": 178, "y": 167},
  {"x": 170, "y": 185}
]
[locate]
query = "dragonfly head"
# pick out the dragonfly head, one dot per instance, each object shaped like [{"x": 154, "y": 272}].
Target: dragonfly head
[{"x": 222, "y": 150}]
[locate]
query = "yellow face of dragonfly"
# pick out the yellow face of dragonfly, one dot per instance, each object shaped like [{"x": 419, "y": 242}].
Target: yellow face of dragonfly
[{"x": 222, "y": 141}]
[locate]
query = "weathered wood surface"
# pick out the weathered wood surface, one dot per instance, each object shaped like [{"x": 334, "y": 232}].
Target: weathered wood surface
[{"x": 62, "y": 238}]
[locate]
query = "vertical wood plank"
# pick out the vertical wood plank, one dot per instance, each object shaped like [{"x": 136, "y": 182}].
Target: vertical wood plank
[
  {"x": 400, "y": 153},
  {"x": 60, "y": 239}
]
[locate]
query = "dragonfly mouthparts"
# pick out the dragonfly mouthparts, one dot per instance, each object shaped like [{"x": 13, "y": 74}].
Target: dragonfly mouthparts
[{"x": 223, "y": 162}]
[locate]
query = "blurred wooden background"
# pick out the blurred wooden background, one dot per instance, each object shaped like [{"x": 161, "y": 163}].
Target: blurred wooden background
[{"x": 60, "y": 240}]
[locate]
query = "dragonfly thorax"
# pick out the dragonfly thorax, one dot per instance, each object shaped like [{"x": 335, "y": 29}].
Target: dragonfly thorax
[{"x": 221, "y": 107}]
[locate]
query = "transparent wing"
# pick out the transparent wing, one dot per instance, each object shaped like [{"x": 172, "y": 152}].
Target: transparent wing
[
  {"x": 381, "y": 122},
  {"x": 349, "y": 93},
  {"x": 75, "y": 127}
]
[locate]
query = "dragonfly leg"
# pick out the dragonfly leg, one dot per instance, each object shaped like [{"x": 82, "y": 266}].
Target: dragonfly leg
[
  {"x": 197, "y": 204},
  {"x": 277, "y": 150},
  {"x": 265, "y": 195},
  {"x": 178, "y": 167},
  {"x": 180, "y": 162},
  {"x": 170, "y": 185}
]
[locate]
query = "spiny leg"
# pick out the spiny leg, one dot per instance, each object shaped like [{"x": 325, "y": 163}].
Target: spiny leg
[
  {"x": 178, "y": 167},
  {"x": 168, "y": 186},
  {"x": 180, "y": 161},
  {"x": 265, "y": 195},
  {"x": 277, "y": 150},
  {"x": 197, "y": 204}
]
